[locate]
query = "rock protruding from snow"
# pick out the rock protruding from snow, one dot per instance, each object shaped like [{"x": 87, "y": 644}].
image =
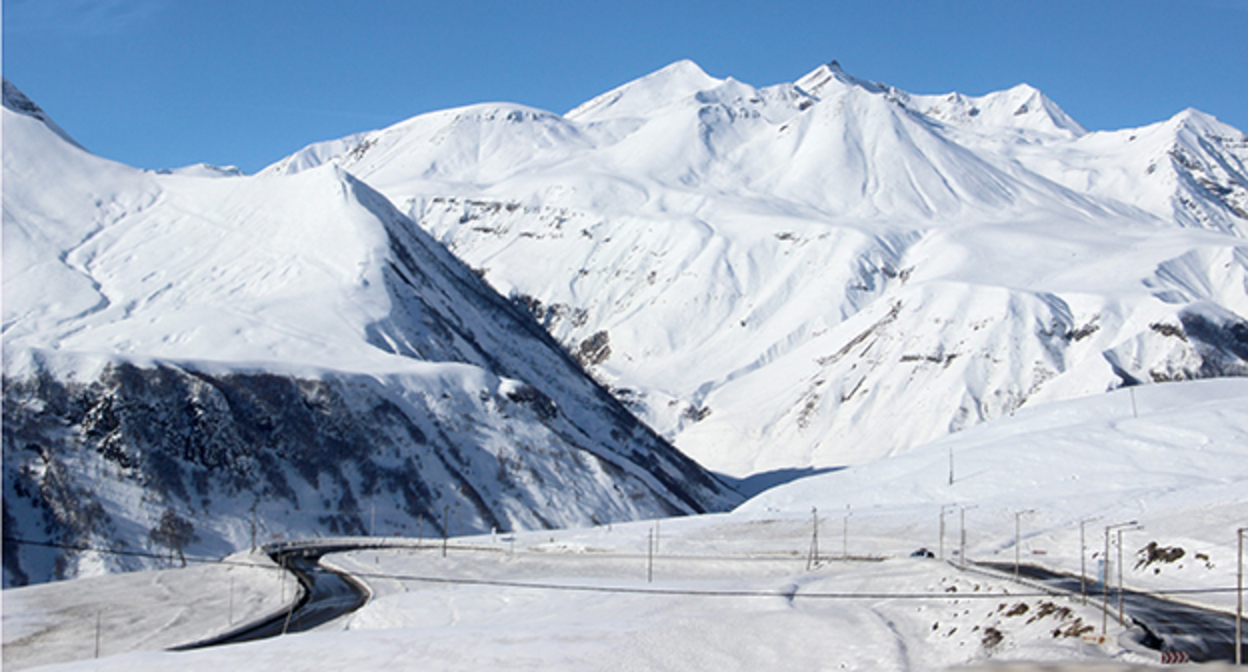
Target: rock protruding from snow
[{"x": 16, "y": 101}]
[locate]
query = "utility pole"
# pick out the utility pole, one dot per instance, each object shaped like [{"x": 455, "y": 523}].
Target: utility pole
[
  {"x": 962, "y": 546},
  {"x": 941, "y": 544},
  {"x": 1121, "y": 614},
  {"x": 1105, "y": 577},
  {"x": 650, "y": 557},
  {"x": 813, "y": 556},
  {"x": 372, "y": 519},
  {"x": 253, "y": 525},
  {"x": 1239, "y": 600},
  {"x": 446, "y": 526},
  {"x": 950, "y": 465},
  {"x": 1018, "y": 538},
  {"x": 845, "y": 534},
  {"x": 1083, "y": 555}
]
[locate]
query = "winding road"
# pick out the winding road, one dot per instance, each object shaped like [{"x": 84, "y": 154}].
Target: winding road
[
  {"x": 1203, "y": 634},
  {"x": 327, "y": 594}
]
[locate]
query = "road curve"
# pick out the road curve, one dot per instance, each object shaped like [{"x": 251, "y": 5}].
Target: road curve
[
  {"x": 1205, "y": 635},
  {"x": 327, "y": 593}
]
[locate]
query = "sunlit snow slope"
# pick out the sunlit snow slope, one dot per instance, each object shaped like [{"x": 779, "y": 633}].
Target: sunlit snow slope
[
  {"x": 833, "y": 270},
  {"x": 289, "y": 350}
]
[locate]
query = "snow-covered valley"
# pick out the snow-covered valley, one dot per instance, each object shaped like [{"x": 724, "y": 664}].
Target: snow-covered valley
[
  {"x": 738, "y": 590},
  {"x": 552, "y": 336}
]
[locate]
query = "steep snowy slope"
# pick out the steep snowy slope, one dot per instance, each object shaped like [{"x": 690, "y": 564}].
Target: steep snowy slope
[
  {"x": 829, "y": 271},
  {"x": 209, "y": 346}
]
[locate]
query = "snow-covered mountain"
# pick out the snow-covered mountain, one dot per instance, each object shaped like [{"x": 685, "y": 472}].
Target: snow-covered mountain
[
  {"x": 271, "y": 355},
  {"x": 833, "y": 270}
]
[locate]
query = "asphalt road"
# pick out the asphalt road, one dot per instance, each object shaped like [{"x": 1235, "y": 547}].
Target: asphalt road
[
  {"x": 327, "y": 595},
  {"x": 1203, "y": 634}
]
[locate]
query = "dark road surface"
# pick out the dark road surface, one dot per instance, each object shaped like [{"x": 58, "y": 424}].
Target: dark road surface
[
  {"x": 327, "y": 595},
  {"x": 1170, "y": 626}
]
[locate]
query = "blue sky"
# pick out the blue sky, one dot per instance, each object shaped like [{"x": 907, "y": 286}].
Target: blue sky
[{"x": 165, "y": 83}]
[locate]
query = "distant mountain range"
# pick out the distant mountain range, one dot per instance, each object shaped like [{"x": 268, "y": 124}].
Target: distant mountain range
[
  {"x": 801, "y": 276},
  {"x": 830, "y": 271}
]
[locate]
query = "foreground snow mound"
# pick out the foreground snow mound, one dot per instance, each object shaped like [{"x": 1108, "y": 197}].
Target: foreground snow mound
[
  {"x": 825, "y": 272},
  {"x": 286, "y": 350}
]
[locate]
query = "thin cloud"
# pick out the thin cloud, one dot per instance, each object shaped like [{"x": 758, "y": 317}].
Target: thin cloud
[{"x": 78, "y": 17}]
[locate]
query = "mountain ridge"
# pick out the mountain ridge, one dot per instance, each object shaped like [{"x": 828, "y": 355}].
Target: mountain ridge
[
  {"x": 190, "y": 346},
  {"x": 703, "y": 236}
]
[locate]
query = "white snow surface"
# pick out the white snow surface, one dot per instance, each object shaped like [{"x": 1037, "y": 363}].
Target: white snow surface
[
  {"x": 833, "y": 270},
  {"x": 1172, "y": 456},
  {"x": 141, "y": 611},
  {"x": 312, "y": 277}
]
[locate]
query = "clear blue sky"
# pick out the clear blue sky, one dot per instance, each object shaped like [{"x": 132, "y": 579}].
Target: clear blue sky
[{"x": 165, "y": 83}]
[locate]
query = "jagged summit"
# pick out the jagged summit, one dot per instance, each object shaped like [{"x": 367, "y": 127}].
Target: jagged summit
[{"x": 821, "y": 81}]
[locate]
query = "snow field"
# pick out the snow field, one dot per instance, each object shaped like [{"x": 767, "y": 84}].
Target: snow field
[
  {"x": 1173, "y": 457},
  {"x": 435, "y": 626},
  {"x": 140, "y": 611}
]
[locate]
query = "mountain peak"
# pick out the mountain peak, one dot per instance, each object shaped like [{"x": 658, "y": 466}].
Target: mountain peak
[
  {"x": 662, "y": 87},
  {"x": 819, "y": 82},
  {"x": 1022, "y": 107}
]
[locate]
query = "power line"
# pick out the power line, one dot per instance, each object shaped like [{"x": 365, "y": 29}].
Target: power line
[
  {"x": 499, "y": 583},
  {"x": 128, "y": 553}
]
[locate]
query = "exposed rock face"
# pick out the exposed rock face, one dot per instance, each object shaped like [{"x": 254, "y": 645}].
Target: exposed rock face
[{"x": 87, "y": 464}]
